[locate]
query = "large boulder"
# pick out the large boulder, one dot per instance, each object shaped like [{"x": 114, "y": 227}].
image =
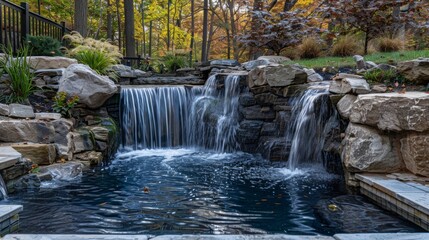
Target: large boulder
[
  {"x": 92, "y": 89},
  {"x": 350, "y": 85},
  {"x": 44, "y": 62},
  {"x": 41, "y": 154},
  {"x": 277, "y": 76},
  {"x": 392, "y": 111},
  {"x": 366, "y": 150},
  {"x": 344, "y": 106},
  {"x": 274, "y": 59},
  {"x": 415, "y": 152},
  {"x": 416, "y": 71},
  {"x": 26, "y": 131}
]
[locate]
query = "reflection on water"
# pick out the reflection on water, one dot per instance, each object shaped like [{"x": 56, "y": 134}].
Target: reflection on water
[{"x": 182, "y": 191}]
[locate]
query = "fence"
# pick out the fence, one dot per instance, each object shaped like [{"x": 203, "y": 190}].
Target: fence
[{"x": 17, "y": 22}]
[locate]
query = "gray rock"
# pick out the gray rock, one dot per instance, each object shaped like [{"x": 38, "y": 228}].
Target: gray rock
[
  {"x": 255, "y": 63},
  {"x": 47, "y": 116},
  {"x": 370, "y": 64},
  {"x": 367, "y": 150},
  {"x": 257, "y": 113},
  {"x": 89, "y": 158},
  {"x": 225, "y": 62},
  {"x": 416, "y": 71},
  {"x": 26, "y": 131},
  {"x": 21, "y": 111},
  {"x": 345, "y": 105},
  {"x": 312, "y": 75},
  {"x": 50, "y": 72},
  {"x": 274, "y": 59},
  {"x": 270, "y": 129},
  {"x": 169, "y": 80},
  {"x": 4, "y": 109},
  {"x": 392, "y": 111},
  {"x": 41, "y": 154},
  {"x": 379, "y": 88},
  {"x": 24, "y": 183},
  {"x": 92, "y": 89},
  {"x": 360, "y": 62},
  {"x": 294, "y": 90},
  {"x": 386, "y": 67},
  {"x": 63, "y": 138},
  {"x": 82, "y": 141},
  {"x": 415, "y": 152},
  {"x": 341, "y": 76},
  {"x": 100, "y": 133},
  {"x": 265, "y": 99},
  {"x": 44, "y": 62},
  {"x": 64, "y": 171},
  {"x": 247, "y": 100},
  {"x": 277, "y": 76},
  {"x": 248, "y": 132},
  {"x": 274, "y": 148},
  {"x": 350, "y": 85},
  {"x": 19, "y": 169}
]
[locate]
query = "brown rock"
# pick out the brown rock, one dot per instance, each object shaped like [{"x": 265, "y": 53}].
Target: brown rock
[{"x": 41, "y": 154}]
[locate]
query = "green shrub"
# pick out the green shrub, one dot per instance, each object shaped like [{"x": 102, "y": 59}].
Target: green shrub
[
  {"x": 347, "y": 45},
  {"x": 20, "y": 74},
  {"x": 386, "y": 44},
  {"x": 95, "y": 59},
  {"x": 381, "y": 76},
  {"x": 172, "y": 62},
  {"x": 43, "y": 46},
  {"x": 63, "y": 104},
  {"x": 310, "y": 48}
]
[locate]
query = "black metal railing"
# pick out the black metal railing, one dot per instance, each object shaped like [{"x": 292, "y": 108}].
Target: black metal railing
[{"x": 16, "y": 22}]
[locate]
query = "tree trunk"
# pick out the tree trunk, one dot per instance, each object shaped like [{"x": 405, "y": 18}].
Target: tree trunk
[
  {"x": 205, "y": 32},
  {"x": 81, "y": 17},
  {"x": 130, "y": 46},
  {"x": 258, "y": 5},
  {"x": 192, "y": 31},
  {"x": 143, "y": 30},
  {"x": 168, "y": 24},
  {"x": 233, "y": 28},
  {"x": 109, "y": 21},
  {"x": 118, "y": 17},
  {"x": 211, "y": 31},
  {"x": 366, "y": 43},
  {"x": 150, "y": 38}
]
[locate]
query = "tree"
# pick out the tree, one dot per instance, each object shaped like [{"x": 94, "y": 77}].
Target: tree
[
  {"x": 372, "y": 17},
  {"x": 205, "y": 31},
  {"x": 278, "y": 31},
  {"x": 130, "y": 46},
  {"x": 81, "y": 17}
]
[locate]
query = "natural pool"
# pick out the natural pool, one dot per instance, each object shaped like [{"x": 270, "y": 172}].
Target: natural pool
[{"x": 187, "y": 191}]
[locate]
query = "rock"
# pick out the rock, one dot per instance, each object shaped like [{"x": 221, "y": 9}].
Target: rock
[
  {"x": 247, "y": 100},
  {"x": 415, "y": 152},
  {"x": 24, "y": 183},
  {"x": 366, "y": 150},
  {"x": 345, "y": 105},
  {"x": 313, "y": 76},
  {"x": 386, "y": 67},
  {"x": 277, "y": 76},
  {"x": 379, "y": 88},
  {"x": 50, "y": 72},
  {"x": 26, "y": 131},
  {"x": 294, "y": 90},
  {"x": 124, "y": 71},
  {"x": 255, "y": 63},
  {"x": 370, "y": 64},
  {"x": 19, "y": 169},
  {"x": 47, "y": 116},
  {"x": 64, "y": 171},
  {"x": 82, "y": 141},
  {"x": 341, "y": 76},
  {"x": 92, "y": 89},
  {"x": 274, "y": 148},
  {"x": 274, "y": 59},
  {"x": 44, "y": 62},
  {"x": 89, "y": 158},
  {"x": 248, "y": 132},
  {"x": 41, "y": 154},
  {"x": 350, "y": 85},
  {"x": 265, "y": 99},
  {"x": 360, "y": 62},
  {"x": 256, "y": 113},
  {"x": 270, "y": 129},
  {"x": 4, "y": 109},
  {"x": 392, "y": 111},
  {"x": 63, "y": 138},
  {"x": 225, "y": 62},
  {"x": 21, "y": 111},
  {"x": 416, "y": 71},
  {"x": 100, "y": 133}
]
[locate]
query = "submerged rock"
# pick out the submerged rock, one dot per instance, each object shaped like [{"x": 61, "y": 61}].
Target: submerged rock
[
  {"x": 24, "y": 183},
  {"x": 63, "y": 171}
]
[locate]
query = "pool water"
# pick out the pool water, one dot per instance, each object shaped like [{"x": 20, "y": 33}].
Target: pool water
[{"x": 184, "y": 191}]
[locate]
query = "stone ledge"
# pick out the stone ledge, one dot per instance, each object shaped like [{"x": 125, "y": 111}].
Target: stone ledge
[{"x": 8, "y": 157}]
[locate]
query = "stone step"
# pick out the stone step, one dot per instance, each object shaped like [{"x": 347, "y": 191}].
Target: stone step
[
  {"x": 8, "y": 157},
  {"x": 8, "y": 211}
]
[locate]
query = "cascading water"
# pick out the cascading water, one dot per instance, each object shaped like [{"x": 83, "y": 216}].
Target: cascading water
[
  {"x": 167, "y": 117},
  {"x": 312, "y": 119},
  {"x": 3, "y": 188}
]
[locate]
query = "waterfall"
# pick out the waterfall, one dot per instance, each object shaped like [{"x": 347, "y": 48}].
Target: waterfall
[
  {"x": 167, "y": 117},
  {"x": 3, "y": 188},
  {"x": 312, "y": 119}
]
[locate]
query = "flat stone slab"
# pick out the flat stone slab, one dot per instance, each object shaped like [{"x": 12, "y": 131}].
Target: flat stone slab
[
  {"x": 8, "y": 157},
  {"x": 241, "y": 237},
  {"x": 383, "y": 236},
  {"x": 72, "y": 237},
  {"x": 8, "y": 211}
]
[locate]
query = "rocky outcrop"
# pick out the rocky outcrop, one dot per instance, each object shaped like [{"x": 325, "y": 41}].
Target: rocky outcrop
[
  {"x": 415, "y": 152},
  {"x": 392, "y": 111},
  {"x": 92, "y": 89},
  {"x": 26, "y": 131},
  {"x": 41, "y": 154},
  {"x": 365, "y": 149},
  {"x": 44, "y": 62},
  {"x": 277, "y": 76},
  {"x": 416, "y": 71},
  {"x": 350, "y": 85}
]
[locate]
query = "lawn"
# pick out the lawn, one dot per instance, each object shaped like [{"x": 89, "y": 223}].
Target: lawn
[{"x": 376, "y": 57}]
